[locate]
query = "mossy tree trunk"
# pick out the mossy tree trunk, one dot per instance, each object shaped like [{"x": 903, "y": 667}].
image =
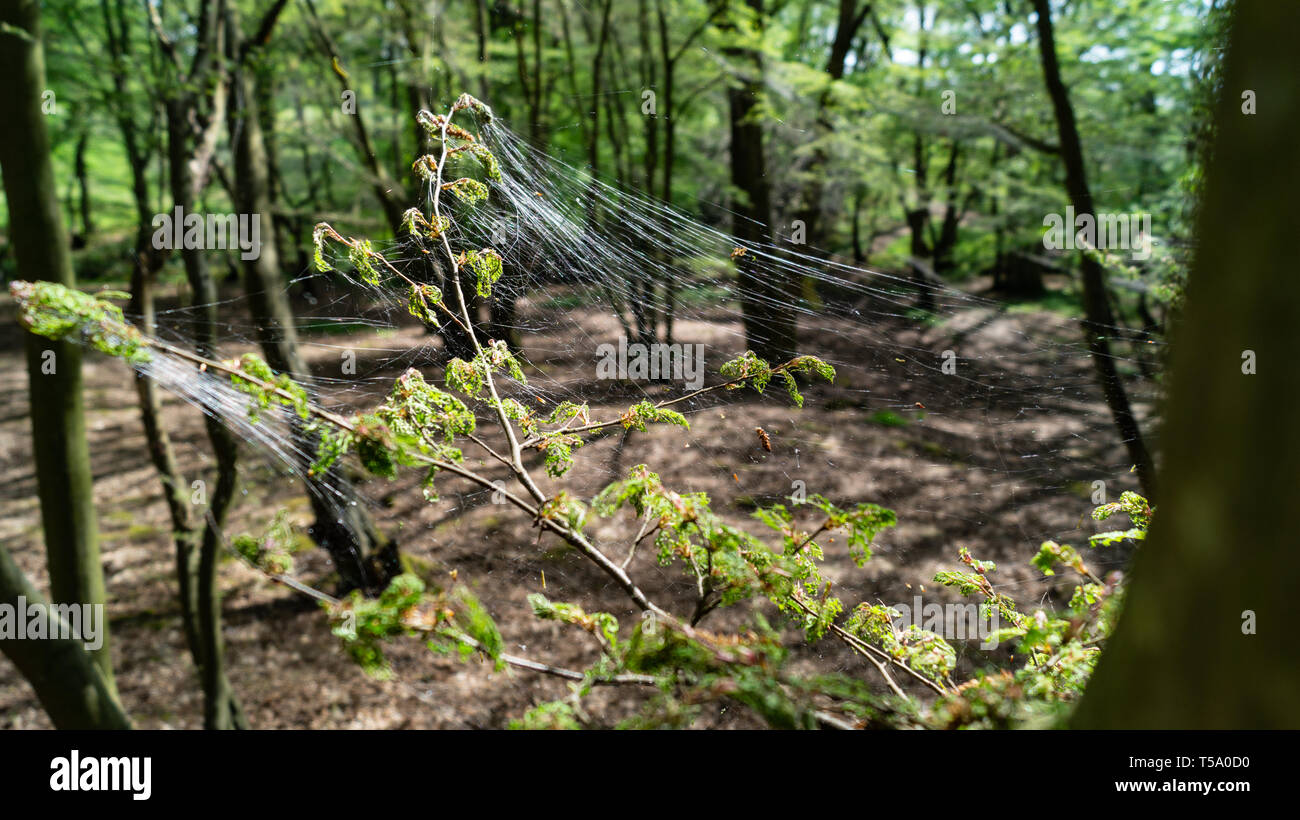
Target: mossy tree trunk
[
  {"x": 70, "y": 686},
  {"x": 40, "y": 242}
]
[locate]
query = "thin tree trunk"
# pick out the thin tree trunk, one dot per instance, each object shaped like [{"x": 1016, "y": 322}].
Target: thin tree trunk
[
  {"x": 536, "y": 116},
  {"x": 1098, "y": 321},
  {"x": 481, "y": 32},
  {"x": 849, "y": 20},
  {"x": 196, "y": 562},
  {"x": 859, "y": 255},
  {"x": 670, "y": 156},
  {"x": 83, "y": 189},
  {"x": 222, "y": 711},
  {"x": 389, "y": 192},
  {"x": 917, "y": 214},
  {"x": 364, "y": 557},
  {"x": 597, "y": 88}
]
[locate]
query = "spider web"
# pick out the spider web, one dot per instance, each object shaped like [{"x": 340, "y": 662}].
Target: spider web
[{"x": 978, "y": 424}]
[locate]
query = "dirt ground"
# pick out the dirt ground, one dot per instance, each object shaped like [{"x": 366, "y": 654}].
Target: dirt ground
[{"x": 996, "y": 458}]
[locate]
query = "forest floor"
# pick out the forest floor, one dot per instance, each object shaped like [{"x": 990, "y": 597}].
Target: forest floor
[{"x": 997, "y": 458}]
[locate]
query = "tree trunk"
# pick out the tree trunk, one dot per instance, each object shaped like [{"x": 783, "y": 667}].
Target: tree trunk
[
  {"x": 1181, "y": 656},
  {"x": 68, "y": 683},
  {"x": 40, "y": 241},
  {"x": 767, "y": 302},
  {"x": 669, "y": 156},
  {"x": 390, "y": 193},
  {"x": 481, "y": 34},
  {"x": 196, "y": 562},
  {"x": 83, "y": 191},
  {"x": 364, "y": 558},
  {"x": 849, "y": 20},
  {"x": 1098, "y": 321}
]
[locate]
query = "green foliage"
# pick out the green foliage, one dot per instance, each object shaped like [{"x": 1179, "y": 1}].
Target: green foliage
[
  {"x": 422, "y": 416},
  {"x": 811, "y": 365},
  {"x": 363, "y": 624},
  {"x": 731, "y": 565},
  {"x": 1132, "y": 505},
  {"x": 991, "y": 701},
  {"x": 515, "y": 411},
  {"x": 270, "y": 552},
  {"x": 803, "y": 364},
  {"x": 416, "y": 423},
  {"x": 688, "y": 670},
  {"x": 362, "y": 256},
  {"x": 498, "y": 357},
  {"x": 490, "y": 165},
  {"x": 414, "y": 221},
  {"x": 550, "y": 715},
  {"x": 1052, "y": 553},
  {"x": 256, "y": 378},
  {"x": 466, "y": 377},
  {"x": 558, "y": 451},
  {"x": 58, "y": 312},
  {"x": 436, "y": 124},
  {"x": 471, "y": 377},
  {"x": 636, "y": 417},
  {"x": 602, "y": 625},
  {"x": 486, "y": 267},
  {"x": 318, "y": 235},
  {"x": 469, "y": 191},
  {"x": 376, "y": 447},
  {"x": 473, "y": 619},
  {"x": 750, "y": 370},
  {"x": 566, "y": 509},
  {"x": 421, "y": 300},
  {"x": 808, "y": 599},
  {"x": 480, "y": 108},
  {"x": 453, "y": 620},
  {"x": 331, "y": 445},
  {"x": 888, "y": 418},
  {"x": 1061, "y": 649},
  {"x": 922, "y": 650},
  {"x": 976, "y": 582},
  {"x": 862, "y": 524},
  {"x": 566, "y": 410}
]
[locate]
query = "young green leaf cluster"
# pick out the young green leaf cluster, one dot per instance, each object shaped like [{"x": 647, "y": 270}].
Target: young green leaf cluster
[
  {"x": 269, "y": 553},
  {"x": 1061, "y": 648},
  {"x": 252, "y": 375},
  {"x": 452, "y": 621},
  {"x": 750, "y": 370},
  {"x": 57, "y": 312}
]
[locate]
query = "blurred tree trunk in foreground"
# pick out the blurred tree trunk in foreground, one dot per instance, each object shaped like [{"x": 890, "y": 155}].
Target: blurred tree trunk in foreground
[{"x": 1216, "y": 563}]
